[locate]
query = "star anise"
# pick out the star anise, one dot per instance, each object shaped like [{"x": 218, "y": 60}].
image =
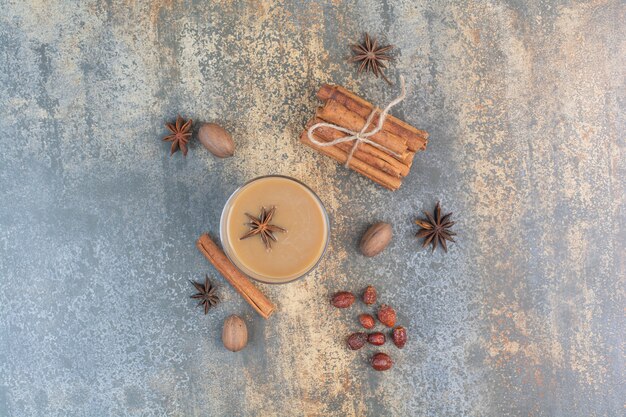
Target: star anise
[
  {"x": 206, "y": 294},
  {"x": 436, "y": 229},
  {"x": 261, "y": 226},
  {"x": 181, "y": 132},
  {"x": 371, "y": 56}
]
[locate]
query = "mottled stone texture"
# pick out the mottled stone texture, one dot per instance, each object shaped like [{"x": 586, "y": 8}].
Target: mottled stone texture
[{"x": 525, "y": 102}]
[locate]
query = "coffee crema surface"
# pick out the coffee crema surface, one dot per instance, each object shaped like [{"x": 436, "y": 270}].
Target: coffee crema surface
[{"x": 298, "y": 210}]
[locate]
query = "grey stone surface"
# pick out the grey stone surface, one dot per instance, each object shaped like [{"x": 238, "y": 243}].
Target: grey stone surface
[{"x": 525, "y": 105}]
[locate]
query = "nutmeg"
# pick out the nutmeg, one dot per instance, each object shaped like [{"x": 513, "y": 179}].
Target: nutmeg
[
  {"x": 235, "y": 333},
  {"x": 376, "y": 239},
  {"x": 217, "y": 140}
]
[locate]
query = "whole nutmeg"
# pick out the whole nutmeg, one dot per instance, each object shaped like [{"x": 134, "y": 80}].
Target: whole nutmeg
[
  {"x": 387, "y": 315},
  {"x": 399, "y": 336},
  {"x": 369, "y": 295},
  {"x": 381, "y": 361},
  {"x": 343, "y": 299},
  {"x": 357, "y": 340},
  {"x": 217, "y": 140},
  {"x": 376, "y": 339},
  {"x": 376, "y": 239},
  {"x": 367, "y": 321},
  {"x": 235, "y": 333}
]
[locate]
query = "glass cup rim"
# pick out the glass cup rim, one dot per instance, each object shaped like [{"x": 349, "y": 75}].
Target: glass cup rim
[{"x": 224, "y": 239}]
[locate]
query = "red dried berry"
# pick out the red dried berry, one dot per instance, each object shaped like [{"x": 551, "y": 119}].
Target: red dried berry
[
  {"x": 387, "y": 315},
  {"x": 367, "y": 321},
  {"x": 369, "y": 295},
  {"x": 343, "y": 299},
  {"x": 357, "y": 340},
  {"x": 376, "y": 339},
  {"x": 381, "y": 361},
  {"x": 399, "y": 336}
]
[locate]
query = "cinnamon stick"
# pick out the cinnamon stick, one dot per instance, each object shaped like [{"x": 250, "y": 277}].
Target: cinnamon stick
[
  {"x": 416, "y": 138},
  {"x": 335, "y": 134},
  {"x": 338, "y": 114},
  {"x": 388, "y": 181},
  {"x": 365, "y": 152},
  {"x": 239, "y": 281}
]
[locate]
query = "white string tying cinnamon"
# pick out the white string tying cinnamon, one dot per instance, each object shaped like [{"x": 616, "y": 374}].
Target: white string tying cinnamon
[{"x": 362, "y": 135}]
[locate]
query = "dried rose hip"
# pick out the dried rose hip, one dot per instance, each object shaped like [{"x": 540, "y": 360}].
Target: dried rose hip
[
  {"x": 343, "y": 299},
  {"x": 357, "y": 340},
  {"x": 381, "y": 361},
  {"x": 399, "y": 336},
  {"x": 369, "y": 295},
  {"x": 376, "y": 339},
  {"x": 387, "y": 315},
  {"x": 367, "y": 321}
]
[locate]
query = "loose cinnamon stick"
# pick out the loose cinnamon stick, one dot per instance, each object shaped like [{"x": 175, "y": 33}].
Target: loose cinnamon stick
[
  {"x": 338, "y": 114},
  {"x": 376, "y": 175},
  {"x": 365, "y": 152},
  {"x": 239, "y": 281},
  {"x": 416, "y": 138}
]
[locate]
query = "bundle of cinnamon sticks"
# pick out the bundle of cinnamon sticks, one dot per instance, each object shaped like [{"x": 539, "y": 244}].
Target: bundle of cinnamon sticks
[{"x": 346, "y": 109}]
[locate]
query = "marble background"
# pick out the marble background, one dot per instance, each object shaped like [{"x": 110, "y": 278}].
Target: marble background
[{"x": 525, "y": 104}]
